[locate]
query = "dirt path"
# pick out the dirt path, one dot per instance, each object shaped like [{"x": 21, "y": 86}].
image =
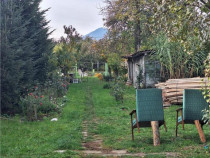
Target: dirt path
[{"x": 93, "y": 144}]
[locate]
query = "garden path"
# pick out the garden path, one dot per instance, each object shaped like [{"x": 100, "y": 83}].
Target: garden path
[{"x": 93, "y": 143}]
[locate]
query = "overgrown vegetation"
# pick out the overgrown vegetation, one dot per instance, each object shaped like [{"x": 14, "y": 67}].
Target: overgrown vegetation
[
  {"x": 29, "y": 57},
  {"x": 139, "y": 25},
  {"x": 206, "y": 90},
  {"x": 118, "y": 89},
  {"x": 41, "y": 139}
]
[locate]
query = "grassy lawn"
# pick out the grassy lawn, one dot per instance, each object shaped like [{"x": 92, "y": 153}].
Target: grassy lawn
[
  {"x": 41, "y": 139},
  {"x": 88, "y": 101}
]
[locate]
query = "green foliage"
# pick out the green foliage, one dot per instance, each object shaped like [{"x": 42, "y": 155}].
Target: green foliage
[
  {"x": 24, "y": 50},
  {"x": 35, "y": 105},
  {"x": 107, "y": 86},
  {"x": 64, "y": 60},
  {"x": 114, "y": 62},
  {"x": 181, "y": 20},
  {"x": 206, "y": 90},
  {"x": 107, "y": 78},
  {"x": 175, "y": 60},
  {"x": 118, "y": 89},
  {"x": 182, "y": 48},
  {"x": 140, "y": 79},
  {"x": 44, "y": 100},
  {"x": 67, "y": 51}
]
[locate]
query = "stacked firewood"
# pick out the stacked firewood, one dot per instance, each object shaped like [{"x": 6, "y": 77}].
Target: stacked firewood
[{"x": 172, "y": 89}]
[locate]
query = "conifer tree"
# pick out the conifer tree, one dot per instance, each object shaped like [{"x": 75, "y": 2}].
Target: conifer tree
[
  {"x": 13, "y": 30},
  {"x": 25, "y": 46}
]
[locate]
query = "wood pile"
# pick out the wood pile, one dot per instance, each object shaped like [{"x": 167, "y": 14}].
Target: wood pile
[{"x": 172, "y": 89}]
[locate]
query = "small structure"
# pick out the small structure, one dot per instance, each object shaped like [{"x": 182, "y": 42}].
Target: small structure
[{"x": 140, "y": 63}]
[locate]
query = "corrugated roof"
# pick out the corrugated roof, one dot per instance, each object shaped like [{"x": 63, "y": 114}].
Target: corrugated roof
[{"x": 137, "y": 54}]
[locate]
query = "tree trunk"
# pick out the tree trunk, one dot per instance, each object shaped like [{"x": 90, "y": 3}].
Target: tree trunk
[
  {"x": 35, "y": 111},
  {"x": 137, "y": 27},
  {"x": 156, "y": 133}
]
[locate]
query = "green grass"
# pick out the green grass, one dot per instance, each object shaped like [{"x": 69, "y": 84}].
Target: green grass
[
  {"x": 41, "y": 139},
  {"x": 89, "y": 101}
]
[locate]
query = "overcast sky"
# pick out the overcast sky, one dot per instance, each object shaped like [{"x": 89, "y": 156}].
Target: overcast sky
[{"x": 84, "y": 15}]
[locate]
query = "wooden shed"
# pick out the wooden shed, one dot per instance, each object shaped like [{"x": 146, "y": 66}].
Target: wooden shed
[{"x": 140, "y": 62}]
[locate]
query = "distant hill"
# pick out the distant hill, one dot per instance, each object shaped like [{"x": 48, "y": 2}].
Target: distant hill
[{"x": 97, "y": 34}]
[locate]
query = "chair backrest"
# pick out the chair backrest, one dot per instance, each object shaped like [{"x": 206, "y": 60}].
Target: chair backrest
[
  {"x": 193, "y": 104},
  {"x": 149, "y": 105}
]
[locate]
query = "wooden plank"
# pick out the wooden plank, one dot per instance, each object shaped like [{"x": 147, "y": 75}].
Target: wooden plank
[
  {"x": 173, "y": 95},
  {"x": 200, "y": 131},
  {"x": 187, "y": 82},
  {"x": 173, "y": 90},
  {"x": 179, "y": 98},
  {"x": 156, "y": 133},
  {"x": 187, "y": 79},
  {"x": 184, "y": 87}
]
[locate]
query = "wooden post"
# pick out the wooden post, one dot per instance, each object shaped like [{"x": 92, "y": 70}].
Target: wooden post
[
  {"x": 156, "y": 133},
  {"x": 200, "y": 131}
]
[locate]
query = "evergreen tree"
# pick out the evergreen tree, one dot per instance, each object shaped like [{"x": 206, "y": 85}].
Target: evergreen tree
[
  {"x": 38, "y": 32},
  {"x": 13, "y": 30},
  {"x": 24, "y": 50}
]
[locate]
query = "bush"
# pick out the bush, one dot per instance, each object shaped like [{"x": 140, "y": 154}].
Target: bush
[
  {"x": 118, "y": 89},
  {"x": 107, "y": 78},
  {"x": 107, "y": 86},
  {"x": 57, "y": 86},
  {"x": 206, "y": 90},
  {"x": 47, "y": 107},
  {"x": 35, "y": 105}
]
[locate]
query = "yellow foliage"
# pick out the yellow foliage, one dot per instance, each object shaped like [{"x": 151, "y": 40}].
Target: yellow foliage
[{"x": 99, "y": 75}]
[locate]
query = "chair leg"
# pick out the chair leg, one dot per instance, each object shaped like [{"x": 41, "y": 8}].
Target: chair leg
[
  {"x": 200, "y": 131},
  {"x": 176, "y": 124},
  {"x": 132, "y": 129},
  {"x": 132, "y": 133},
  {"x": 165, "y": 126},
  {"x": 182, "y": 120}
]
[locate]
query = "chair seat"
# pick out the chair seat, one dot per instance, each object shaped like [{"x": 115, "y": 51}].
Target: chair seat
[
  {"x": 146, "y": 123},
  {"x": 189, "y": 121}
]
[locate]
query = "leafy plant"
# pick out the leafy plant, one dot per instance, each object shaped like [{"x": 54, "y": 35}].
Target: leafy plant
[
  {"x": 118, "y": 89},
  {"x": 206, "y": 90},
  {"x": 107, "y": 78},
  {"x": 34, "y": 105},
  {"x": 114, "y": 61},
  {"x": 177, "y": 60},
  {"x": 140, "y": 79},
  {"x": 107, "y": 86}
]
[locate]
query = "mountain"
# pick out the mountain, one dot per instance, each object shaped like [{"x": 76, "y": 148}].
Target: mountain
[{"x": 97, "y": 34}]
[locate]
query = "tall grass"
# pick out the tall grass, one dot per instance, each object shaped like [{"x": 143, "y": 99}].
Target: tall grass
[{"x": 178, "y": 60}]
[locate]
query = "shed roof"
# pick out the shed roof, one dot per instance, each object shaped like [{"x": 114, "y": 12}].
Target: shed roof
[{"x": 137, "y": 54}]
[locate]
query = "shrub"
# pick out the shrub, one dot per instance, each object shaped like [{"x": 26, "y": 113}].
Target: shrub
[
  {"x": 47, "y": 107},
  {"x": 107, "y": 78},
  {"x": 118, "y": 89},
  {"x": 34, "y": 105},
  {"x": 206, "y": 90},
  {"x": 107, "y": 86}
]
